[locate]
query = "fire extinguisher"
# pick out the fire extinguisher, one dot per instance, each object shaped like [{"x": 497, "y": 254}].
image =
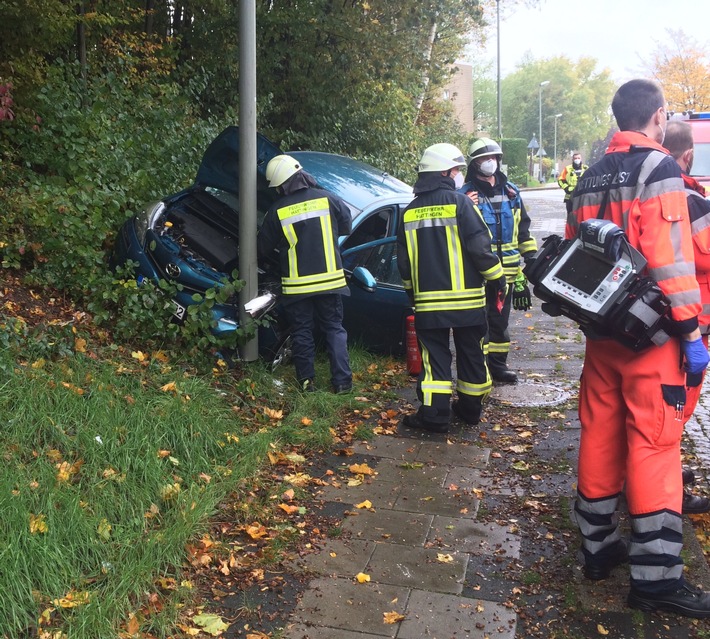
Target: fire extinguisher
[{"x": 414, "y": 358}]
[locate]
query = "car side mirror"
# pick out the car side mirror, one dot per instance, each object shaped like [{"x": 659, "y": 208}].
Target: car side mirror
[{"x": 364, "y": 279}]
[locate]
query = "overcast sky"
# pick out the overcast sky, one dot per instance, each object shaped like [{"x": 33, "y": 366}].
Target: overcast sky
[{"x": 620, "y": 34}]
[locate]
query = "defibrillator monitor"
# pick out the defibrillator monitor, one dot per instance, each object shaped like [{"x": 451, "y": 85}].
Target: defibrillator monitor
[{"x": 594, "y": 270}]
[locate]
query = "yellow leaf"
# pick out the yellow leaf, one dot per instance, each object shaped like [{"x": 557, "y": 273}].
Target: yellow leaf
[
  {"x": 74, "y": 389},
  {"x": 602, "y": 630},
  {"x": 38, "y": 524},
  {"x": 72, "y": 600},
  {"x": 393, "y": 617},
  {"x": 299, "y": 479},
  {"x": 361, "y": 469},
  {"x": 80, "y": 345},
  {"x": 306, "y": 422},
  {"x": 170, "y": 386},
  {"x": 211, "y": 624},
  {"x": 289, "y": 510},
  {"x": 364, "y": 504},
  {"x": 273, "y": 414},
  {"x": 288, "y": 495},
  {"x": 38, "y": 364},
  {"x": 104, "y": 529},
  {"x": 444, "y": 558},
  {"x": 141, "y": 357},
  {"x": 256, "y": 530},
  {"x": 362, "y": 577}
]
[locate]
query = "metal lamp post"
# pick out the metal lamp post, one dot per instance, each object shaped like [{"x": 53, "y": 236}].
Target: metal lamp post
[
  {"x": 539, "y": 139},
  {"x": 559, "y": 115}
]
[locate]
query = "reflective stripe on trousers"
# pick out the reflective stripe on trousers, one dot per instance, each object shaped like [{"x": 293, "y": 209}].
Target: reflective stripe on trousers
[{"x": 630, "y": 439}]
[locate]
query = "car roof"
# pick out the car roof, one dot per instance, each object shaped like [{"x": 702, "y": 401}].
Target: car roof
[{"x": 357, "y": 183}]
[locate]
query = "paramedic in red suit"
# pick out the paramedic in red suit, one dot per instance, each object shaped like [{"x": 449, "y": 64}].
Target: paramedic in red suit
[
  {"x": 679, "y": 142},
  {"x": 631, "y": 403}
]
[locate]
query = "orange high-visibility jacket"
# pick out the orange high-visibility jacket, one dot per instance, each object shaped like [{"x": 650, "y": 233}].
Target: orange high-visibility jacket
[{"x": 648, "y": 200}]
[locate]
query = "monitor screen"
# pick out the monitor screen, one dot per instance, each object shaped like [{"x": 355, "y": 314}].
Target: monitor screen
[{"x": 583, "y": 271}]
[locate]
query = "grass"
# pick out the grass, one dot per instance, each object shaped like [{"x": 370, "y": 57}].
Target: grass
[{"x": 112, "y": 465}]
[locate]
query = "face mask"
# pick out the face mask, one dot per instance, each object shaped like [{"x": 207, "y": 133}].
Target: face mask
[
  {"x": 458, "y": 180},
  {"x": 577, "y": 163},
  {"x": 487, "y": 167}
]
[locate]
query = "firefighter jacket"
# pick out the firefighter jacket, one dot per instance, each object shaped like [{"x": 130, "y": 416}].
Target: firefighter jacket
[
  {"x": 303, "y": 227},
  {"x": 699, "y": 211},
  {"x": 503, "y": 210},
  {"x": 569, "y": 177},
  {"x": 647, "y": 199},
  {"x": 444, "y": 255}
]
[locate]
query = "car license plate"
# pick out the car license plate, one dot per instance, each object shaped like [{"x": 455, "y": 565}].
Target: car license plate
[{"x": 179, "y": 312}]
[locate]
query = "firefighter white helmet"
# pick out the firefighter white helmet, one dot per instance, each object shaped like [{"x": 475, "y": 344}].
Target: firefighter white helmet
[
  {"x": 281, "y": 168},
  {"x": 483, "y": 147},
  {"x": 441, "y": 157}
]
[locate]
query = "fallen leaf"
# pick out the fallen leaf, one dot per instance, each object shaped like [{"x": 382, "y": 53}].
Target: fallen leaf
[
  {"x": 362, "y": 577},
  {"x": 38, "y": 524},
  {"x": 393, "y": 617},
  {"x": 364, "y": 504},
  {"x": 361, "y": 469},
  {"x": 273, "y": 414},
  {"x": 288, "y": 509},
  {"x": 306, "y": 422},
  {"x": 211, "y": 624},
  {"x": 602, "y": 630},
  {"x": 169, "y": 387},
  {"x": 444, "y": 558},
  {"x": 256, "y": 530}
]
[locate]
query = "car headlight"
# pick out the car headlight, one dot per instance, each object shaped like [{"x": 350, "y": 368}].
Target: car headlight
[{"x": 146, "y": 220}]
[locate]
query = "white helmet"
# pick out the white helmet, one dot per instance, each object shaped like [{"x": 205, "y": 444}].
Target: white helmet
[
  {"x": 281, "y": 168},
  {"x": 441, "y": 157},
  {"x": 483, "y": 147}
]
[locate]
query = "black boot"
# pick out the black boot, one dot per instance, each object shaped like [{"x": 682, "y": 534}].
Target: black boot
[{"x": 498, "y": 366}]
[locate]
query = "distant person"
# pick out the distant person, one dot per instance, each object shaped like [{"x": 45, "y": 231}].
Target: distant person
[
  {"x": 570, "y": 176},
  {"x": 679, "y": 141},
  {"x": 303, "y": 227},
  {"x": 444, "y": 257},
  {"x": 629, "y": 401},
  {"x": 504, "y": 212}
]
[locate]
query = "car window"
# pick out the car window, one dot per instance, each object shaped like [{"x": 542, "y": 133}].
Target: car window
[
  {"x": 380, "y": 259},
  {"x": 701, "y": 159},
  {"x": 378, "y": 225}
]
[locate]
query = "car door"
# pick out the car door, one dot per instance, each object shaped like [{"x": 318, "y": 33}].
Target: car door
[{"x": 376, "y": 319}]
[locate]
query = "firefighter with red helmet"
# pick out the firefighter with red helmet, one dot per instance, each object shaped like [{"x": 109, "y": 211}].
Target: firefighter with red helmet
[
  {"x": 631, "y": 403},
  {"x": 502, "y": 208},
  {"x": 444, "y": 257}
]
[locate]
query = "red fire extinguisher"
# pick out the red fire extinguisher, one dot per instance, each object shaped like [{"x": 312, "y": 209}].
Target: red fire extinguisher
[{"x": 414, "y": 358}]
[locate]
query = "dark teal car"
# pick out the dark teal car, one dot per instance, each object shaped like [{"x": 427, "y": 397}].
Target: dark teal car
[{"x": 192, "y": 237}]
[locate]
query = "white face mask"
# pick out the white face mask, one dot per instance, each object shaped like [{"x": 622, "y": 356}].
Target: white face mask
[
  {"x": 458, "y": 180},
  {"x": 487, "y": 167}
]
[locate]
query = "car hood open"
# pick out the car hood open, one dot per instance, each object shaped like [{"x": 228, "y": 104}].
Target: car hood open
[{"x": 220, "y": 163}]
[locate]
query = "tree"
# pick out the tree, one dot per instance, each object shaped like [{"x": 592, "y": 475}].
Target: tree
[
  {"x": 682, "y": 67},
  {"x": 576, "y": 90}
]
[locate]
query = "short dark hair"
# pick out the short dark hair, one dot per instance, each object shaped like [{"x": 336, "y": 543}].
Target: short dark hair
[
  {"x": 679, "y": 138},
  {"x": 635, "y": 103}
]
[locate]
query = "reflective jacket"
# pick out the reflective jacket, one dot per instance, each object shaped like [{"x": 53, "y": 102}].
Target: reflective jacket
[
  {"x": 699, "y": 211},
  {"x": 569, "y": 177},
  {"x": 503, "y": 210},
  {"x": 304, "y": 227},
  {"x": 444, "y": 255},
  {"x": 648, "y": 200}
]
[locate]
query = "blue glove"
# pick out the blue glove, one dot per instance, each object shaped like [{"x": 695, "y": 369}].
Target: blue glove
[{"x": 696, "y": 355}]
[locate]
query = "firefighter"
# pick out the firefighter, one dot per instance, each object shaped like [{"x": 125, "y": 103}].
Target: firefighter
[
  {"x": 679, "y": 142},
  {"x": 631, "y": 403},
  {"x": 570, "y": 176},
  {"x": 444, "y": 257},
  {"x": 503, "y": 210},
  {"x": 303, "y": 227}
]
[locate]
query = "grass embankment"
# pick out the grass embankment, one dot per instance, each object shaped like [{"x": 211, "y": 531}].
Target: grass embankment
[{"x": 112, "y": 465}]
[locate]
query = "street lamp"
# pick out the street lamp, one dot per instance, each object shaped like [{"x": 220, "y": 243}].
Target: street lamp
[
  {"x": 539, "y": 139},
  {"x": 559, "y": 115}
]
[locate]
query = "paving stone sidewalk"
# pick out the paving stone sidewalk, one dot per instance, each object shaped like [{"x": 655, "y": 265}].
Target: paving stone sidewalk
[{"x": 468, "y": 535}]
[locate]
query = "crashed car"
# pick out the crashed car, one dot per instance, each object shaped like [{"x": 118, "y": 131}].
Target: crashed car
[{"x": 191, "y": 238}]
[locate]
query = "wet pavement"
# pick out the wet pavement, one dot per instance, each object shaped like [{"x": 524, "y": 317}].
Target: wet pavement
[{"x": 467, "y": 534}]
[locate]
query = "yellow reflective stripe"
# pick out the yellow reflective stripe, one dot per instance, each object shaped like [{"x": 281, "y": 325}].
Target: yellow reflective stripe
[
  {"x": 455, "y": 259},
  {"x": 450, "y": 306},
  {"x": 528, "y": 245},
  {"x": 407, "y": 284},
  {"x": 413, "y": 250},
  {"x": 292, "y": 238},
  {"x": 450, "y": 295},
  {"x": 422, "y": 216},
  {"x": 304, "y": 211},
  {"x": 328, "y": 244},
  {"x": 426, "y": 368},
  {"x": 317, "y": 283},
  {"x": 437, "y": 386},
  {"x": 477, "y": 390},
  {"x": 493, "y": 273},
  {"x": 500, "y": 347}
]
